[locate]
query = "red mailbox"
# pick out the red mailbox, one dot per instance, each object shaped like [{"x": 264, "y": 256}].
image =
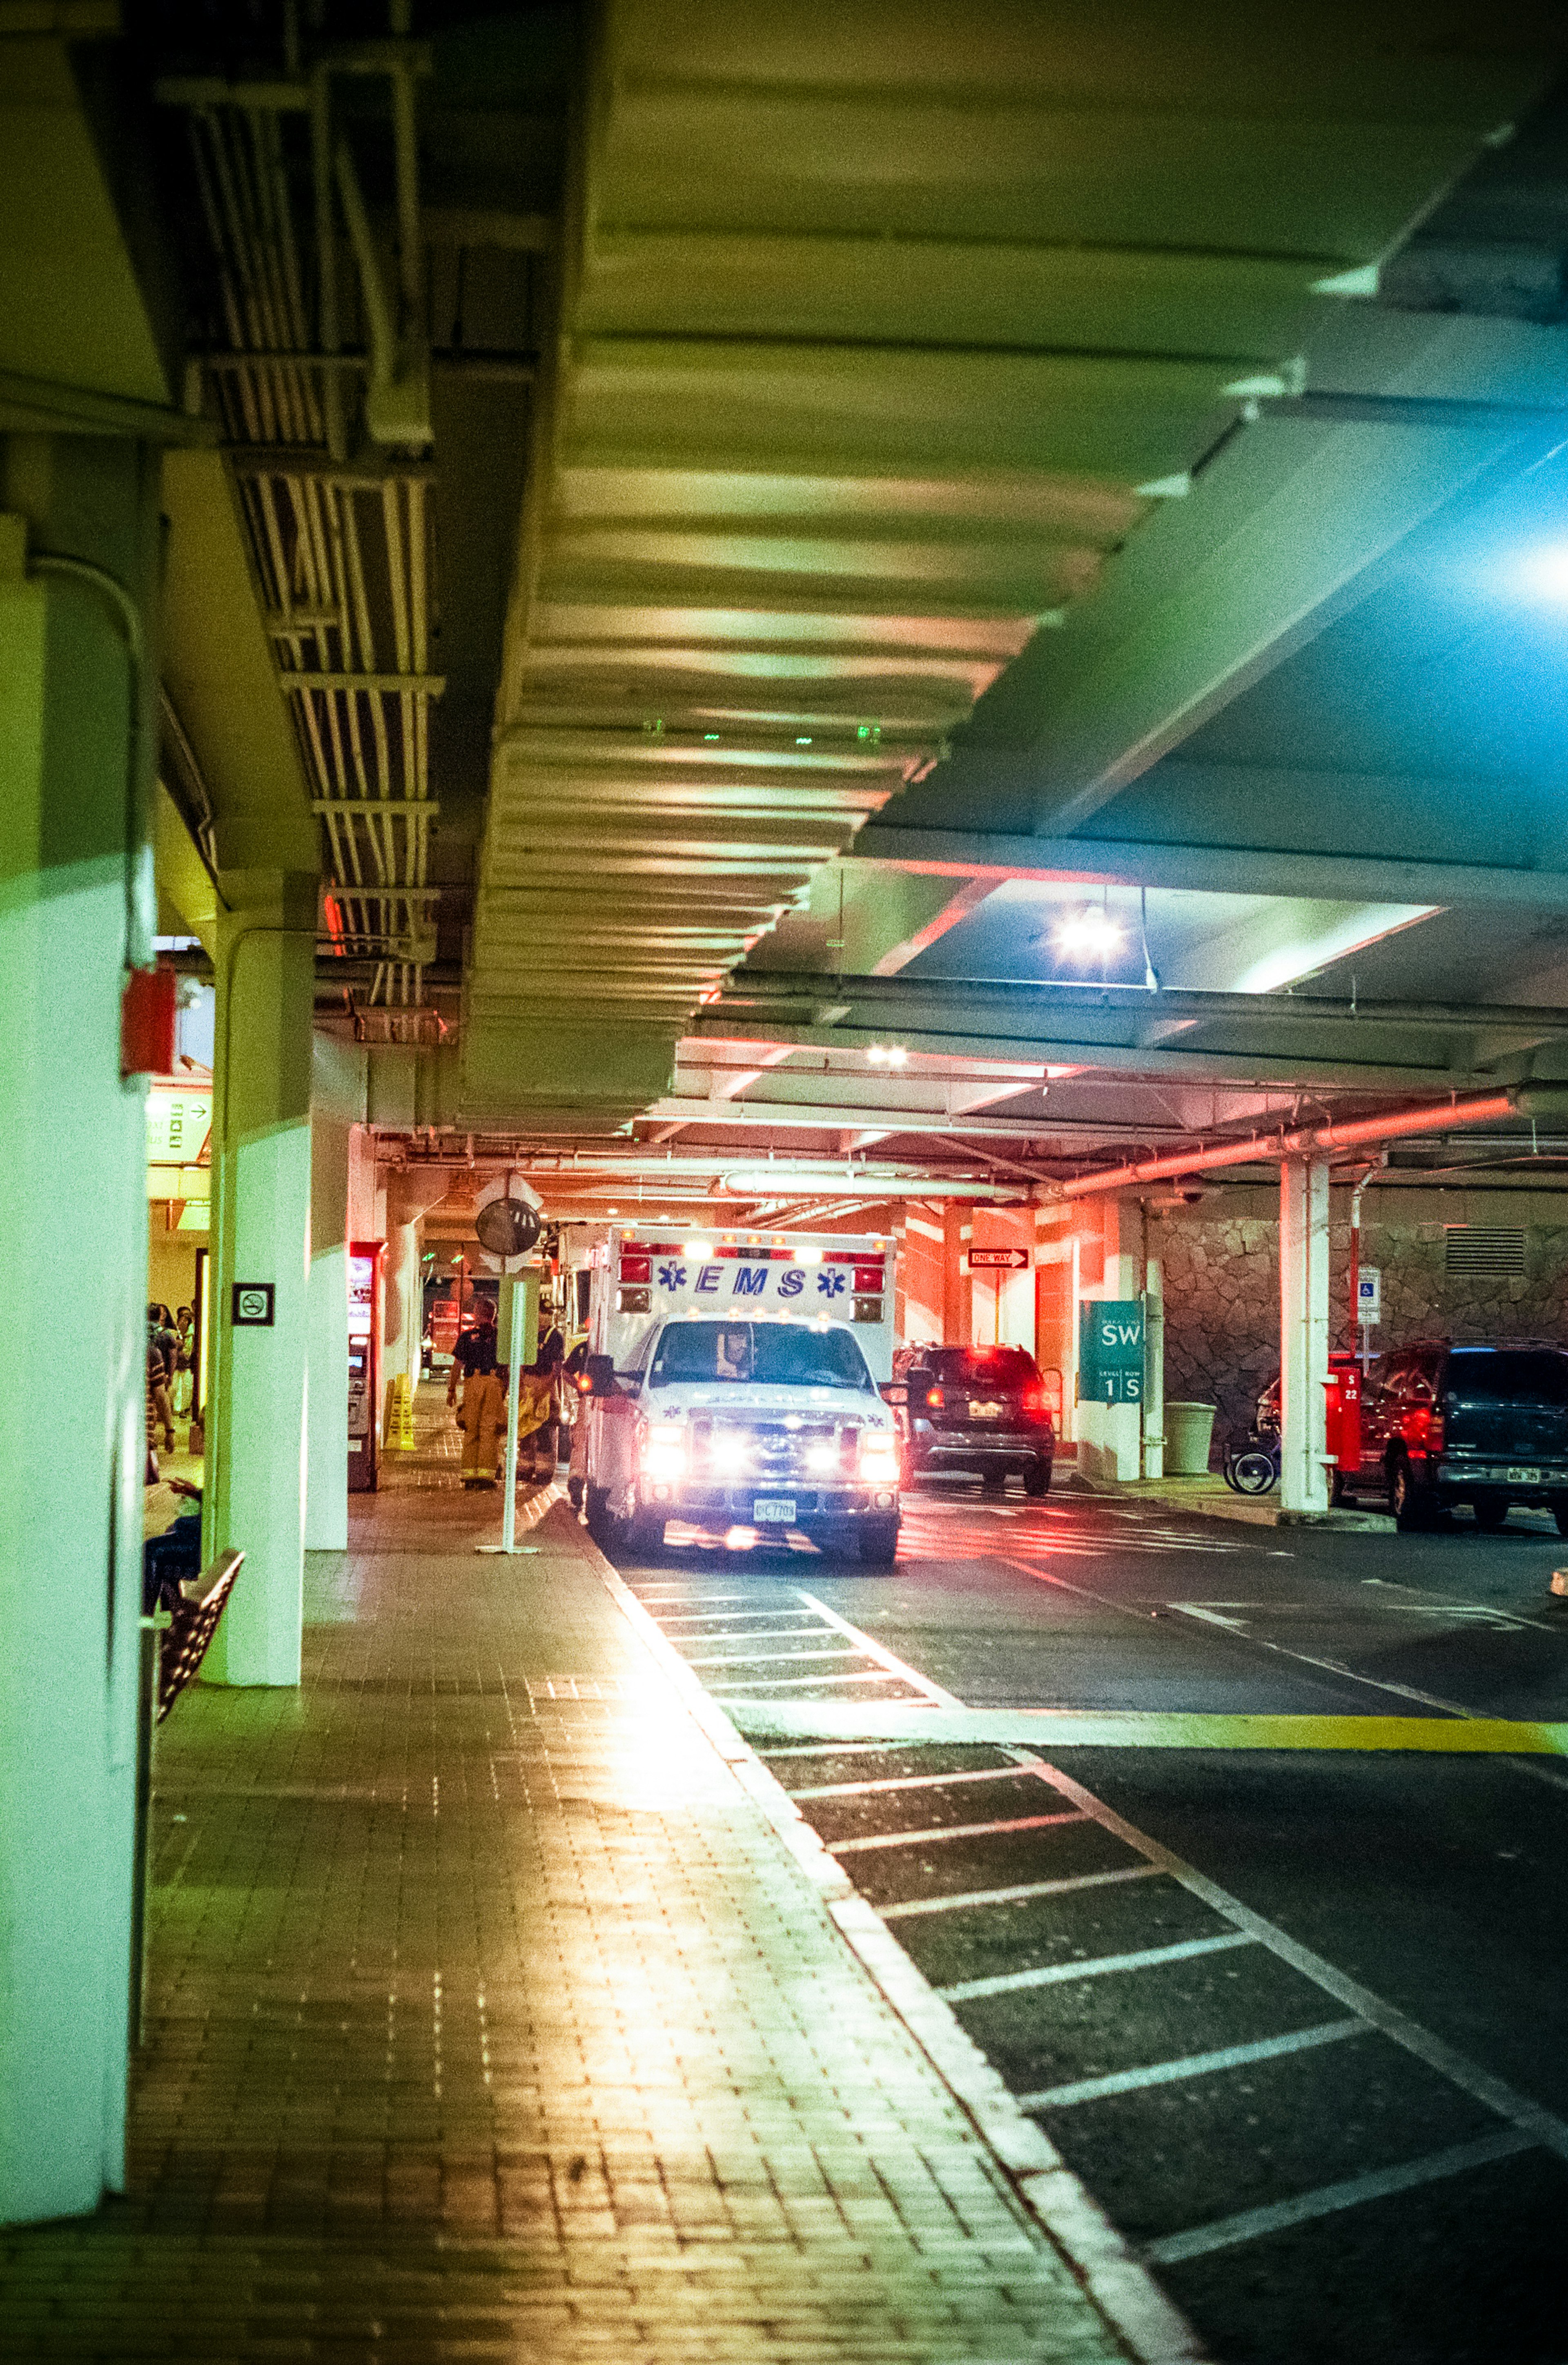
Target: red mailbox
[{"x": 1343, "y": 1444}]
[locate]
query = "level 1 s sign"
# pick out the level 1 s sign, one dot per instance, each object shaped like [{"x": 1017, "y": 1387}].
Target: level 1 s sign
[{"x": 1110, "y": 1350}]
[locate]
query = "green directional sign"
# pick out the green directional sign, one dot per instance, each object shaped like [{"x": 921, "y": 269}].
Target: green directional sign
[{"x": 1110, "y": 1350}]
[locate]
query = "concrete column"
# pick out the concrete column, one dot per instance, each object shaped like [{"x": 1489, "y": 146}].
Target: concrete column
[
  {"x": 1304, "y": 1334},
  {"x": 265, "y": 965},
  {"x": 1154, "y": 1370},
  {"x": 337, "y": 1110},
  {"x": 73, "y": 875}
]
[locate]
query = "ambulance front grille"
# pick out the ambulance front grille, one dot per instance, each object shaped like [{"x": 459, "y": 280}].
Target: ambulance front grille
[{"x": 776, "y": 1451}]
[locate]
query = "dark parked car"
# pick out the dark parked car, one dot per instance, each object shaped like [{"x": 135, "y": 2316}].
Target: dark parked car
[
  {"x": 981, "y": 1409},
  {"x": 1440, "y": 1425},
  {"x": 1487, "y": 1426}
]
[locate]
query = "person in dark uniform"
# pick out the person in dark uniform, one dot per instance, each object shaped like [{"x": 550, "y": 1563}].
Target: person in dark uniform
[{"x": 475, "y": 1349}]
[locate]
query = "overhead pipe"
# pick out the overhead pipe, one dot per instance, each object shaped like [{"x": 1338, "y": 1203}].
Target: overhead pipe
[{"x": 1435, "y": 1117}]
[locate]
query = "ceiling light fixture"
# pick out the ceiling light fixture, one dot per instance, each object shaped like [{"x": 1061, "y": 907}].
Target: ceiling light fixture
[{"x": 1089, "y": 934}]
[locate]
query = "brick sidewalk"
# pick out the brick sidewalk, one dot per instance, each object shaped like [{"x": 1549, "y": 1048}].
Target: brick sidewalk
[{"x": 491, "y": 2020}]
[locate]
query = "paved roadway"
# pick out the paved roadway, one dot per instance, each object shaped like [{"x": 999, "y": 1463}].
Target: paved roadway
[{"x": 1297, "y": 2018}]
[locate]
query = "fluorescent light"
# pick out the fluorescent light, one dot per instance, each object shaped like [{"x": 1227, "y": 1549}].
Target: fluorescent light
[
  {"x": 1089, "y": 933},
  {"x": 1545, "y": 572}
]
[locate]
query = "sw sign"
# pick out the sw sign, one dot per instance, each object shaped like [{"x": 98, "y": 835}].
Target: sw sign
[{"x": 1110, "y": 1350}]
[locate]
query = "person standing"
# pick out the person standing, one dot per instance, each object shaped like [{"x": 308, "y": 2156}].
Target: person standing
[
  {"x": 483, "y": 1420},
  {"x": 162, "y": 1342},
  {"x": 473, "y": 1350}
]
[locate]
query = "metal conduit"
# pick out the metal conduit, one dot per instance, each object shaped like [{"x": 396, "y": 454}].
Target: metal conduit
[
  {"x": 366, "y": 751},
  {"x": 1433, "y": 1118}
]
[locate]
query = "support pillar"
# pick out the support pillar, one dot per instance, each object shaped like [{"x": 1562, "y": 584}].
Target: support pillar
[
  {"x": 256, "y": 1445},
  {"x": 337, "y": 1109},
  {"x": 74, "y": 901},
  {"x": 1304, "y": 1336}
]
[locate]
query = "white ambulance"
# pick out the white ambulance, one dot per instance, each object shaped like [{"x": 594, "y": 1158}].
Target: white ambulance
[{"x": 735, "y": 1380}]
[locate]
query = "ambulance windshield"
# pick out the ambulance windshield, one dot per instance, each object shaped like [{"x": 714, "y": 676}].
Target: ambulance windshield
[{"x": 772, "y": 1354}]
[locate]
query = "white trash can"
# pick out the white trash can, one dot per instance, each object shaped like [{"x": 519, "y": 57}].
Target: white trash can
[{"x": 1189, "y": 1432}]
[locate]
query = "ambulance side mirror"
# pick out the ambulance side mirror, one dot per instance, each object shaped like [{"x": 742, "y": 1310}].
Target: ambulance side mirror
[
  {"x": 894, "y": 1391},
  {"x": 599, "y": 1377}
]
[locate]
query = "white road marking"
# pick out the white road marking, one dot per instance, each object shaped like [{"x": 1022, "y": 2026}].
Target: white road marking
[
  {"x": 1194, "y": 2065},
  {"x": 1093, "y": 1967},
  {"x": 835, "y": 1749},
  {"x": 884, "y": 1657},
  {"x": 1016, "y": 1894},
  {"x": 949, "y": 1832},
  {"x": 1540, "y": 2125},
  {"x": 1252, "y": 2225},
  {"x": 778, "y": 1658},
  {"x": 1207, "y": 1615},
  {"x": 891, "y": 1781},
  {"x": 719, "y": 1617},
  {"x": 799, "y": 1683},
  {"x": 801, "y": 1634}
]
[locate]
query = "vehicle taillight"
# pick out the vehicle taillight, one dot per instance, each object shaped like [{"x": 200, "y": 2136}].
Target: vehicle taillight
[
  {"x": 1425, "y": 1424},
  {"x": 1037, "y": 1402},
  {"x": 936, "y": 1399}
]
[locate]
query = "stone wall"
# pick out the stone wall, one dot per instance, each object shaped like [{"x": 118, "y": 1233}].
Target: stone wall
[{"x": 1222, "y": 1290}]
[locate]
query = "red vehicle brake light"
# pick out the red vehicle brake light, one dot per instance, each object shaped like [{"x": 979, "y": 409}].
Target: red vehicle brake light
[
  {"x": 936, "y": 1398},
  {"x": 1036, "y": 1401}
]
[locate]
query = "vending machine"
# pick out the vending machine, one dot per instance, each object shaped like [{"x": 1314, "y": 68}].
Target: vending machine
[{"x": 364, "y": 1358}]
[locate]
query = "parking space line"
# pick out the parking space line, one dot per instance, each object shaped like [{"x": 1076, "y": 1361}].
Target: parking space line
[
  {"x": 884, "y": 1657},
  {"x": 778, "y": 1658},
  {"x": 1191, "y": 2064},
  {"x": 721, "y": 1616},
  {"x": 1252, "y": 2225},
  {"x": 949, "y": 1832},
  {"x": 893, "y": 1781},
  {"x": 839, "y": 1749},
  {"x": 1542, "y": 2126},
  {"x": 801, "y": 1634},
  {"x": 794, "y": 1682},
  {"x": 1019, "y": 1890},
  {"x": 1050, "y": 1975}
]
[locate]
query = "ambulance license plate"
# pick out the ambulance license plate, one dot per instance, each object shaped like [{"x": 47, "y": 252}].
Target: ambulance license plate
[
  {"x": 773, "y": 1511},
  {"x": 1522, "y": 1477}
]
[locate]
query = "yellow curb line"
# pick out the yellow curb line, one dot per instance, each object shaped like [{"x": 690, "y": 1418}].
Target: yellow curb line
[{"x": 1045, "y": 1728}]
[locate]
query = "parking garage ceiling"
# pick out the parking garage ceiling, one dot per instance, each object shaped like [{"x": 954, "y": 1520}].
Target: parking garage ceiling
[{"x": 736, "y": 528}]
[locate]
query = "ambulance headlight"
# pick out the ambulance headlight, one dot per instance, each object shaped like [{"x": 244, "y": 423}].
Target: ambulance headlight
[
  {"x": 879, "y": 1458},
  {"x": 822, "y": 1457},
  {"x": 729, "y": 1451},
  {"x": 664, "y": 1450}
]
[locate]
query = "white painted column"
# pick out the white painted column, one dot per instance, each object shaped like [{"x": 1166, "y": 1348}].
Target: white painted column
[
  {"x": 337, "y": 1106},
  {"x": 1154, "y": 1370},
  {"x": 73, "y": 843},
  {"x": 261, "y": 1235},
  {"x": 1304, "y": 1334}
]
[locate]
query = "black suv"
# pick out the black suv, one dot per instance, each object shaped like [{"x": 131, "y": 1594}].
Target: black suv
[
  {"x": 1487, "y": 1426},
  {"x": 981, "y": 1409}
]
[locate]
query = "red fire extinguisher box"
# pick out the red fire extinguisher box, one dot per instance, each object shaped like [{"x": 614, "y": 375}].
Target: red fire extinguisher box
[{"x": 1343, "y": 1384}]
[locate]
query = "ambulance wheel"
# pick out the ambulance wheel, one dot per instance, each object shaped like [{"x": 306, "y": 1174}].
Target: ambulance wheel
[
  {"x": 575, "y": 1493},
  {"x": 600, "y": 1525},
  {"x": 878, "y": 1544},
  {"x": 642, "y": 1533}
]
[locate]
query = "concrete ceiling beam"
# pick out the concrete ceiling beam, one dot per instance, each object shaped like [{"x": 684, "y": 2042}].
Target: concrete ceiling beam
[{"x": 1208, "y": 869}]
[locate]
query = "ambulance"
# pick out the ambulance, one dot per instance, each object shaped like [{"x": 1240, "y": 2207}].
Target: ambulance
[{"x": 736, "y": 1381}]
